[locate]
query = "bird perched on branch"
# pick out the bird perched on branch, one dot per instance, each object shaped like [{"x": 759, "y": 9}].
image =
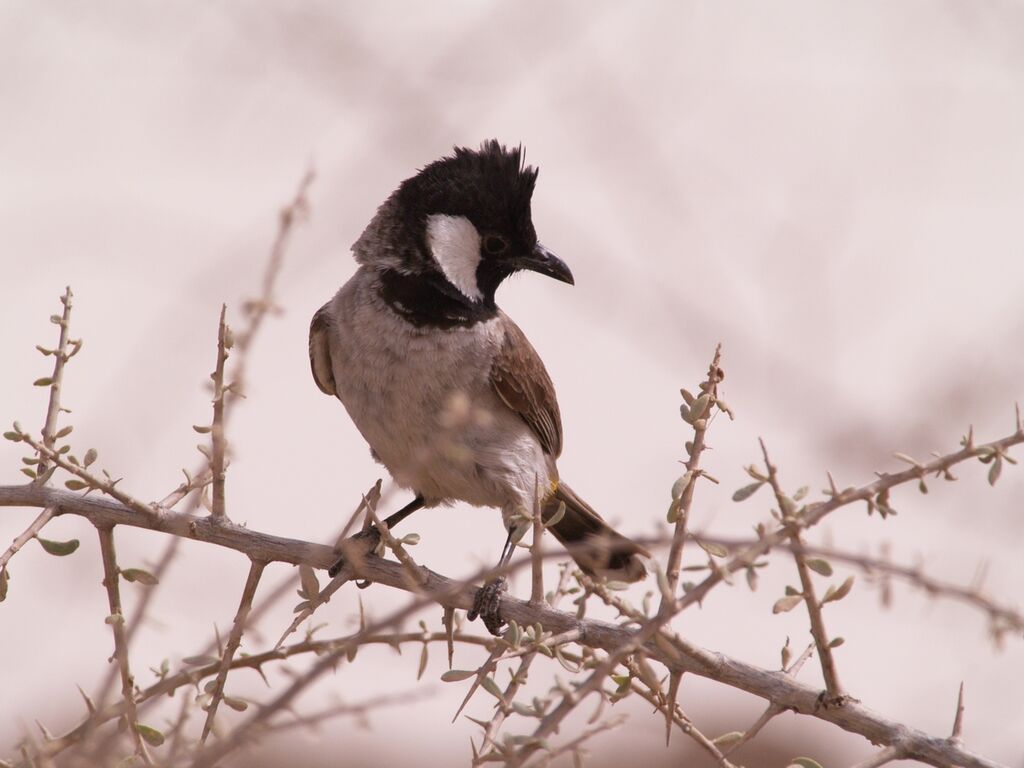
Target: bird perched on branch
[{"x": 444, "y": 386}]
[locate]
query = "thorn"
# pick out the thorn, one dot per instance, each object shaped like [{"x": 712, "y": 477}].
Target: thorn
[
  {"x": 958, "y": 722},
  {"x": 449, "y": 626},
  {"x": 670, "y": 705},
  {"x": 88, "y": 702}
]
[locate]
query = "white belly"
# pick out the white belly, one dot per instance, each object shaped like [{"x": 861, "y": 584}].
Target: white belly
[{"x": 422, "y": 400}]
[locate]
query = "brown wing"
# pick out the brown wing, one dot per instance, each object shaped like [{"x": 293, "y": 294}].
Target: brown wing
[
  {"x": 522, "y": 382},
  {"x": 320, "y": 352}
]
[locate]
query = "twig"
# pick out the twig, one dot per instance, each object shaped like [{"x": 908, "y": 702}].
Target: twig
[
  {"x": 536, "y": 559},
  {"x": 192, "y": 676},
  {"x": 773, "y": 710},
  {"x": 883, "y": 756},
  {"x": 234, "y": 640},
  {"x": 106, "y": 486},
  {"x": 817, "y": 512},
  {"x": 60, "y": 357},
  {"x": 574, "y": 744},
  {"x": 111, "y": 577},
  {"x": 818, "y": 631},
  {"x": 675, "y": 715},
  {"x": 27, "y": 535},
  {"x": 217, "y": 438},
  {"x": 359, "y": 709},
  {"x": 697, "y": 413},
  {"x": 970, "y": 595}
]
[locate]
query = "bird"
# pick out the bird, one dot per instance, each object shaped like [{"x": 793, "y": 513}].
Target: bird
[{"x": 445, "y": 388}]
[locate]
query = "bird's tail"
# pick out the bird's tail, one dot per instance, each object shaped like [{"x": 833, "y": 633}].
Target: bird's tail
[{"x": 594, "y": 545}]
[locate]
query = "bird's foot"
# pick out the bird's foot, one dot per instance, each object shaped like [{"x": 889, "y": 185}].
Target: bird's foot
[
  {"x": 487, "y": 604},
  {"x": 355, "y": 548}
]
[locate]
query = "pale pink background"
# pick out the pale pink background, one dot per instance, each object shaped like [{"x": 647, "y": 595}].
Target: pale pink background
[{"x": 833, "y": 190}]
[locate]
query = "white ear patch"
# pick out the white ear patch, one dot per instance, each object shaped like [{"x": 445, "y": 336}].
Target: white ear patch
[{"x": 455, "y": 244}]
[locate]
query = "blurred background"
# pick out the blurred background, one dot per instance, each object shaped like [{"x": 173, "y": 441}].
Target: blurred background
[{"x": 832, "y": 190}]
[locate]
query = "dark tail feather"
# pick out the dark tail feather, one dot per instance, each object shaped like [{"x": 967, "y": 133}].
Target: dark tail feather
[{"x": 593, "y": 544}]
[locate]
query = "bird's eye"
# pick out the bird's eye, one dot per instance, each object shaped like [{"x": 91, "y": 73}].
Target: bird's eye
[{"x": 495, "y": 244}]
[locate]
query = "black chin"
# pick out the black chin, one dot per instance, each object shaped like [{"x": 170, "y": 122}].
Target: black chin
[
  {"x": 428, "y": 300},
  {"x": 490, "y": 274}
]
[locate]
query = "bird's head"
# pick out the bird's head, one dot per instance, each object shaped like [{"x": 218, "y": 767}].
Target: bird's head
[{"x": 464, "y": 219}]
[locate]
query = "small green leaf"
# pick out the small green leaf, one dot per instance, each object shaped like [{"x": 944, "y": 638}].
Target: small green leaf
[
  {"x": 151, "y": 735},
  {"x": 65, "y": 432},
  {"x": 4, "y": 578},
  {"x": 202, "y": 430},
  {"x": 139, "y": 575},
  {"x": 519, "y": 531},
  {"x": 14, "y": 437},
  {"x": 30, "y": 472},
  {"x": 455, "y": 675},
  {"x": 75, "y": 485},
  {"x": 411, "y": 539},
  {"x": 492, "y": 688},
  {"x": 556, "y": 518},
  {"x": 715, "y": 550},
  {"x": 747, "y": 491},
  {"x": 995, "y": 470},
  {"x": 239, "y": 705},
  {"x": 680, "y": 486},
  {"x": 752, "y": 579},
  {"x": 200, "y": 661},
  {"x": 819, "y": 566},
  {"x": 835, "y": 593},
  {"x": 114, "y": 619},
  {"x": 787, "y": 603},
  {"x": 310, "y": 584},
  {"x": 90, "y": 457},
  {"x": 424, "y": 657},
  {"x": 43, "y": 382},
  {"x": 700, "y": 405},
  {"x": 675, "y": 510},
  {"x": 728, "y": 739},
  {"x": 58, "y": 548},
  {"x": 836, "y": 642}
]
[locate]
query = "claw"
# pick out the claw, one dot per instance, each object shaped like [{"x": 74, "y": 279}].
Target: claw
[
  {"x": 487, "y": 605},
  {"x": 358, "y": 546}
]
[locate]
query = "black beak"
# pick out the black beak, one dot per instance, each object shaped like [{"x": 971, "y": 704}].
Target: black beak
[{"x": 546, "y": 263}]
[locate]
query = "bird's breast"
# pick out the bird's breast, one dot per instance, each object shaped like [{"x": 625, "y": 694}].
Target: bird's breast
[{"x": 422, "y": 399}]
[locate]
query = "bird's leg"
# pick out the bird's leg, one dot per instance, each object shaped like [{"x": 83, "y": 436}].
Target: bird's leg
[
  {"x": 368, "y": 539},
  {"x": 487, "y": 602}
]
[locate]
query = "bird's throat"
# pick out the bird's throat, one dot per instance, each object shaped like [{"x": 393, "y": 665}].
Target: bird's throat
[{"x": 430, "y": 301}]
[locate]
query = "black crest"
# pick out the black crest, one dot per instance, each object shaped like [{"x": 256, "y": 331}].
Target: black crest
[{"x": 492, "y": 187}]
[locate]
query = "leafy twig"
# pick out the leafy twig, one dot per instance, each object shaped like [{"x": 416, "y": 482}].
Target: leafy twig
[{"x": 234, "y": 640}]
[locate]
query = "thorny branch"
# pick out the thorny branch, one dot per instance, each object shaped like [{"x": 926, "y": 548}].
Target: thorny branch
[
  {"x": 787, "y": 510},
  {"x": 217, "y": 438},
  {"x": 111, "y": 579},
  {"x": 56, "y": 380},
  {"x": 234, "y": 640},
  {"x": 815, "y": 513},
  {"x": 697, "y": 411}
]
